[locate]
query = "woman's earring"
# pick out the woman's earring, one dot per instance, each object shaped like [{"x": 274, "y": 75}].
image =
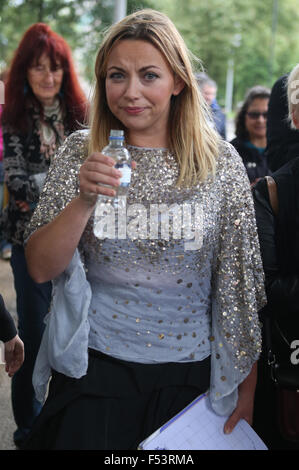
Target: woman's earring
[{"x": 25, "y": 89}]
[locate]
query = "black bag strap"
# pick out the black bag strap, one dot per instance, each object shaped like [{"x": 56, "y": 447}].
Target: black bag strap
[{"x": 272, "y": 190}]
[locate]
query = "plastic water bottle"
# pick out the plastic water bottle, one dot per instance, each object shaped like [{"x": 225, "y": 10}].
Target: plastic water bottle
[{"x": 116, "y": 150}]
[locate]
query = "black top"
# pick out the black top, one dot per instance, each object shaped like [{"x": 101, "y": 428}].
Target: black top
[
  {"x": 279, "y": 241},
  {"x": 7, "y": 327},
  {"x": 282, "y": 140},
  {"x": 254, "y": 161}
]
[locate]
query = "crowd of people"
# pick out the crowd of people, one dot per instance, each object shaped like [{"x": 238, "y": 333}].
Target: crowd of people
[{"x": 121, "y": 333}]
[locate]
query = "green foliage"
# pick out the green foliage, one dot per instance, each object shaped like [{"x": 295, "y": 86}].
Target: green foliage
[
  {"x": 215, "y": 31},
  {"x": 219, "y": 30},
  {"x": 80, "y": 22}
]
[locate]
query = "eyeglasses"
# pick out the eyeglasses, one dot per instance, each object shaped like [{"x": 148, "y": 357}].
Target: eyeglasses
[
  {"x": 256, "y": 114},
  {"x": 42, "y": 70}
]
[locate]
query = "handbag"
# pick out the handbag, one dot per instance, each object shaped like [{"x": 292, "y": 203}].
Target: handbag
[{"x": 284, "y": 374}]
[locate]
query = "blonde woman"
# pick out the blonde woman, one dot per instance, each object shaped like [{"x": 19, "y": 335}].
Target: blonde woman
[{"x": 141, "y": 325}]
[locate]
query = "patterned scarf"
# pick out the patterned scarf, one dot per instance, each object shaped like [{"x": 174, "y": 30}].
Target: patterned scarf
[{"x": 51, "y": 130}]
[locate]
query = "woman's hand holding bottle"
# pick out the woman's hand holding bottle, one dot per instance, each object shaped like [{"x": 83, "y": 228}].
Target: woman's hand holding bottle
[{"x": 98, "y": 176}]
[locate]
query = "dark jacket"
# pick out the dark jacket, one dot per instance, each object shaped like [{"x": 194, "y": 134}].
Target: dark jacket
[
  {"x": 255, "y": 162},
  {"x": 7, "y": 327},
  {"x": 279, "y": 241},
  {"x": 219, "y": 119},
  {"x": 25, "y": 167},
  {"x": 282, "y": 140}
]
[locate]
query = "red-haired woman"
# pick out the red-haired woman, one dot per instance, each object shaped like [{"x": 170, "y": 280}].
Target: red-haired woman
[{"x": 43, "y": 104}]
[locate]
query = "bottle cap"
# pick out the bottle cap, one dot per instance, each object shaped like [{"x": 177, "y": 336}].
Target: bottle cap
[{"x": 116, "y": 134}]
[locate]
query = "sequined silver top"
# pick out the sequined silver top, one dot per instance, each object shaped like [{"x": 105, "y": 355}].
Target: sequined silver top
[{"x": 178, "y": 294}]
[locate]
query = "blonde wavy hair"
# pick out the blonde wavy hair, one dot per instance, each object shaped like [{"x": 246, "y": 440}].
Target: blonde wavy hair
[{"x": 191, "y": 138}]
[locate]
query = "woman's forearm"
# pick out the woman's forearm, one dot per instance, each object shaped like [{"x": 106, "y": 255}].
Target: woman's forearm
[
  {"x": 249, "y": 384},
  {"x": 50, "y": 249},
  {"x": 245, "y": 404}
]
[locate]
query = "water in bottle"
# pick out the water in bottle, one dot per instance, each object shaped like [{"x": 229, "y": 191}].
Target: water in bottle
[{"x": 122, "y": 157}]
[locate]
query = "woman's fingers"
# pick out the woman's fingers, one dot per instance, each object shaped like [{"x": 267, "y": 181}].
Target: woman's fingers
[
  {"x": 98, "y": 173},
  {"x": 243, "y": 410},
  {"x": 98, "y": 176},
  {"x": 232, "y": 421},
  {"x": 96, "y": 170}
]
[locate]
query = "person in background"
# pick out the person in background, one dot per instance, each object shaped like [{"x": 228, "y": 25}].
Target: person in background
[
  {"x": 282, "y": 139},
  {"x": 208, "y": 88},
  {"x": 44, "y": 103},
  {"x": 279, "y": 241},
  {"x": 140, "y": 326},
  {"x": 251, "y": 127},
  {"x": 13, "y": 345},
  {"x": 5, "y": 247}
]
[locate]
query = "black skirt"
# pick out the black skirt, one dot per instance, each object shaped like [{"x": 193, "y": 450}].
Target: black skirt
[{"x": 116, "y": 405}]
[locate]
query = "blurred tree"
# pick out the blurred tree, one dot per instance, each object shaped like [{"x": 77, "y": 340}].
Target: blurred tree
[
  {"x": 80, "y": 22},
  {"x": 17, "y": 15},
  {"x": 97, "y": 18},
  {"x": 219, "y": 30},
  {"x": 215, "y": 31}
]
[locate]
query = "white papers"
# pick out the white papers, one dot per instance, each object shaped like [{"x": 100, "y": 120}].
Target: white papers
[{"x": 199, "y": 427}]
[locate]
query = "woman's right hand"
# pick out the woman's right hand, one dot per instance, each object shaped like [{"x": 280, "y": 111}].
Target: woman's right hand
[
  {"x": 49, "y": 249},
  {"x": 14, "y": 355},
  {"x": 96, "y": 171}
]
